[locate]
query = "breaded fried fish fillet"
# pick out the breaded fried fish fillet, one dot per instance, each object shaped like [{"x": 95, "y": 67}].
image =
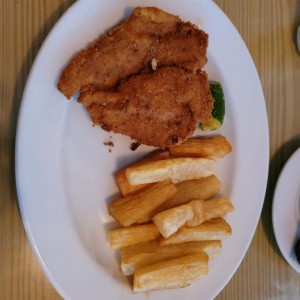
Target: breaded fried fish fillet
[
  {"x": 129, "y": 49},
  {"x": 159, "y": 109}
]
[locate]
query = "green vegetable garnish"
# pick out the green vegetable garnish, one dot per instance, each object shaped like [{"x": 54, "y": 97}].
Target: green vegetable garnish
[{"x": 218, "y": 112}]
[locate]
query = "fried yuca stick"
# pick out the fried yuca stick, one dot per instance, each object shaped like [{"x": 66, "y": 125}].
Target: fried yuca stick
[
  {"x": 202, "y": 188},
  {"x": 121, "y": 179},
  {"x": 191, "y": 214},
  {"x": 174, "y": 169},
  {"x": 174, "y": 273},
  {"x": 142, "y": 254},
  {"x": 131, "y": 208},
  {"x": 213, "y": 147},
  {"x": 126, "y": 236},
  {"x": 214, "y": 229}
]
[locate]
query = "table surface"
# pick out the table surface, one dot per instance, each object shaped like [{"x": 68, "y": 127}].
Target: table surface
[{"x": 268, "y": 28}]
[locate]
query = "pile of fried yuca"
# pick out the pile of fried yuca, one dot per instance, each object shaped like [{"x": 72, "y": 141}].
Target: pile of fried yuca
[{"x": 171, "y": 214}]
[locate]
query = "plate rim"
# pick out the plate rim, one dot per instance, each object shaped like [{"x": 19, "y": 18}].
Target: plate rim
[{"x": 17, "y": 157}]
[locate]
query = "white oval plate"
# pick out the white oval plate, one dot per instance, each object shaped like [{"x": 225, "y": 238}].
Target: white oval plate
[
  {"x": 64, "y": 173},
  {"x": 286, "y": 209}
]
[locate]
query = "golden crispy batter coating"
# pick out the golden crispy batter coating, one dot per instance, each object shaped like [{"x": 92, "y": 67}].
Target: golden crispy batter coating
[
  {"x": 144, "y": 78},
  {"x": 159, "y": 109},
  {"x": 129, "y": 49}
]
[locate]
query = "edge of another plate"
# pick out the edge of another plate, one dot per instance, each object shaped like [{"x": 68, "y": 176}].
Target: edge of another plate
[{"x": 283, "y": 211}]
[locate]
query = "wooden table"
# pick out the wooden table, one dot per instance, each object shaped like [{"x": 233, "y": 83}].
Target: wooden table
[{"x": 268, "y": 28}]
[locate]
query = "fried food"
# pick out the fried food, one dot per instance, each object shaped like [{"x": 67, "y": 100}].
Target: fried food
[
  {"x": 191, "y": 214},
  {"x": 126, "y": 236},
  {"x": 144, "y": 78},
  {"x": 149, "y": 33},
  {"x": 211, "y": 146},
  {"x": 131, "y": 208},
  {"x": 202, "y": 188},
  {"x": 214, "y": 229},
  {"x": 147, "y": 253},
  {"x": 124, "y": 186},
  {"x": 186, "y": 230},
  {"x": 160, "y": 109},
  {"x": 174, "y": 169},
  {"x": 174, "y": 273}
]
